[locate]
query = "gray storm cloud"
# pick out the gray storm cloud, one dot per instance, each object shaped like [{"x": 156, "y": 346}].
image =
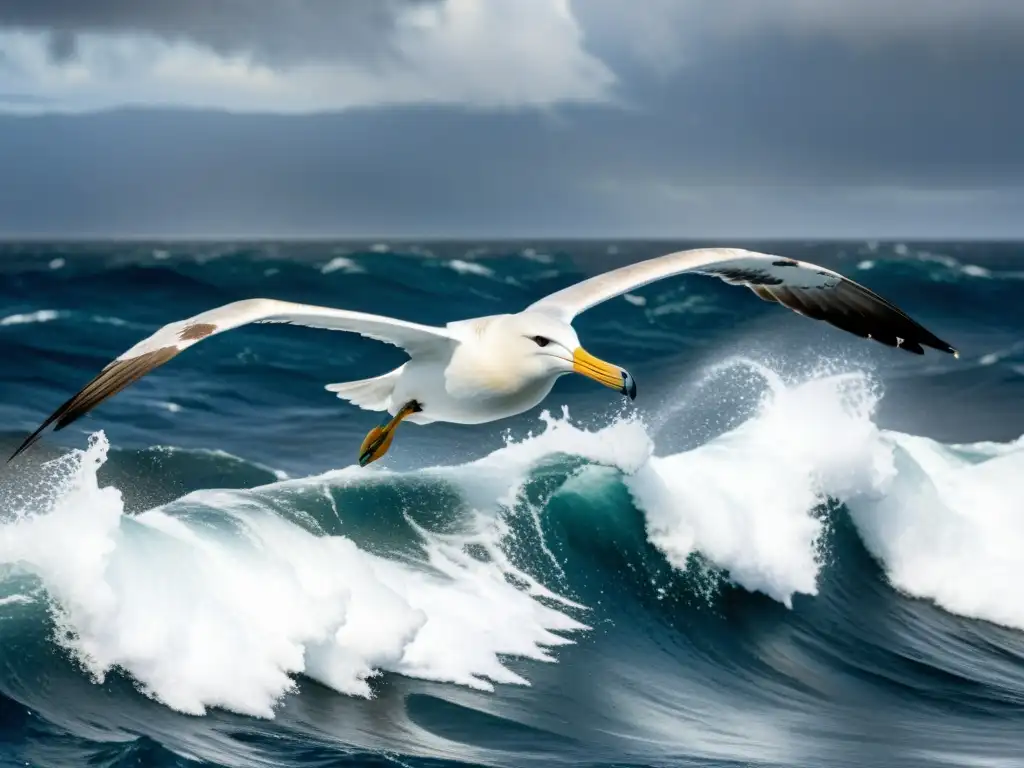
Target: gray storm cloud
[
  {"x": 271, "y": 31},
  {"x": 745, "y": 117},
  {"x": 707, "y": 23}
]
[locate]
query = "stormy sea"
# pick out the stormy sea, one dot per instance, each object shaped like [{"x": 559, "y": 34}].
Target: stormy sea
[{"x": 795, "y": 548}]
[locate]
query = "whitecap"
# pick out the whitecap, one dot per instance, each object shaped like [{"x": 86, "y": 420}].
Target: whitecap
[
  {"x": 748, "y": 500},
  {"x": 469, "y": 268},
  {"x": 205, "y": 616},
  {"x": 944, "y": 521},
  {"x": 106, "y": 320},
  {"x": 954, "y": 265},
  {"x": 975, "y": 271},
  {"x": 40, "y": 316},
  {"x": 341, "y": 264},
  {"x": 534, "y": 255},
  {"x": 950, "y": 530},
  {"x": 690, "y": 305}
]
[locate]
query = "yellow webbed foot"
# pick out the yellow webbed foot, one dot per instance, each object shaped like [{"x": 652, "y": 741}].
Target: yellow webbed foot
[
  {"x": 379, "y": 439},
  {"x": 376, "y": 444}
]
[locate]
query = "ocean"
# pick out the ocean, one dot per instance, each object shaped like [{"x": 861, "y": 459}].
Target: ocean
[{"x": 795, "y": 548}]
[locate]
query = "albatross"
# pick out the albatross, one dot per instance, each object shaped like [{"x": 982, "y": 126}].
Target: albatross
[{"x": 488, "y": 368}]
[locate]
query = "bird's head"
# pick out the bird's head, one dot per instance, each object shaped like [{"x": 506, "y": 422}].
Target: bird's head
[{"x": 544, "y": 346}]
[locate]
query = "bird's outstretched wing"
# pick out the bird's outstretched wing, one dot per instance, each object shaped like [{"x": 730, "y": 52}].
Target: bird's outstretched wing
[
  {"x": 808, "y": 289},
  {"x": 173, "y": 338}
]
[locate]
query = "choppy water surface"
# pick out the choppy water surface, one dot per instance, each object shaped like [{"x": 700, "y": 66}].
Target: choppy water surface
[{"x": 795, "y": 549}]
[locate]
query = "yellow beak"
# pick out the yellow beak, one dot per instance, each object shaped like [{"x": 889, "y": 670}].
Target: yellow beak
[{"x": 603, "y": 373}]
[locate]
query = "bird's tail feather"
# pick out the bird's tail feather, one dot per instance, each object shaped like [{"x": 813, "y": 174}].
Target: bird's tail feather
[{"x": 369, "y": 394}]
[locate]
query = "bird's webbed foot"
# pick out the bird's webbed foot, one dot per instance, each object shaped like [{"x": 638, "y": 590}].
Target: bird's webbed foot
[{"x": 377, "y": 442}]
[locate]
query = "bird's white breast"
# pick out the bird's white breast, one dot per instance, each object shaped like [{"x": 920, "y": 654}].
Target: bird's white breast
[{"x": 473, "y": 384}]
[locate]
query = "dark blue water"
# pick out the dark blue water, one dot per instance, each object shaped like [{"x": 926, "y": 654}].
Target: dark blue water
[{"x": 796, "y": 548}]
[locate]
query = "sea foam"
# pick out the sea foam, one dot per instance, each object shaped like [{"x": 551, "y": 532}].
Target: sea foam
[
  {"x": 217, "y": 600},
  {"x": 951, "y": 529},
  {"x": 227, "y": 615},
  {"x": 748, "y": 501},
  {"x": 944, "y": 521}
]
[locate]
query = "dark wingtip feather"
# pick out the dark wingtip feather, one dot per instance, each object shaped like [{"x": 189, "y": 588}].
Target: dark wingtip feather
[
  {"x": 111, "y": 380},
  {"x": 884, "y": 322},
  {"x": 29, "y": 442}
]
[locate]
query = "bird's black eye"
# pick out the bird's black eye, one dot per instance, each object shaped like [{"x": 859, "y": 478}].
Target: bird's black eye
[{"x": 541, "y": 341}]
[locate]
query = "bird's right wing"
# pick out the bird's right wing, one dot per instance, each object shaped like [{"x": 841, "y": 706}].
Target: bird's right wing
[{"x": 154, "y": 351}]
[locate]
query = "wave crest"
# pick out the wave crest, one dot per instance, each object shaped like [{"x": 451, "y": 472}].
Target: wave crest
[
  {"x": 222, "y": 597},
  {"x": 216, "y": 600}
]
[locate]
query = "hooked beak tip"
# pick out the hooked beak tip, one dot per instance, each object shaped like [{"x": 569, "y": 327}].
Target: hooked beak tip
[
  {"x": 628, "y": 386},
  {"x": 604, "y": 373}
]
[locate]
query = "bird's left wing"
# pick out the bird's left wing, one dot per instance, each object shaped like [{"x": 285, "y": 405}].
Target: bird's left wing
[
  {"x": 173, "y": 338},
  {"x": 805, "y": 288}
]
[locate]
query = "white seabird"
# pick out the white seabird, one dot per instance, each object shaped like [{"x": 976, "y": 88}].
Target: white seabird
[{"x": 488, "y": 368}]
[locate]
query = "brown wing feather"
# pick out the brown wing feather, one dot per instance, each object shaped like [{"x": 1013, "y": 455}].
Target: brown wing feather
[{"x": 111, "y": 380}]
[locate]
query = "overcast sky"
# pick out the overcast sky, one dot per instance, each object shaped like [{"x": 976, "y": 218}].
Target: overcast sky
[{"x": 477, "y": 118}]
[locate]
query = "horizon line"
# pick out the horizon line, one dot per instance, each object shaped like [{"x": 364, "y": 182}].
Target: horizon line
[{"x": 380, "y": 239}]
